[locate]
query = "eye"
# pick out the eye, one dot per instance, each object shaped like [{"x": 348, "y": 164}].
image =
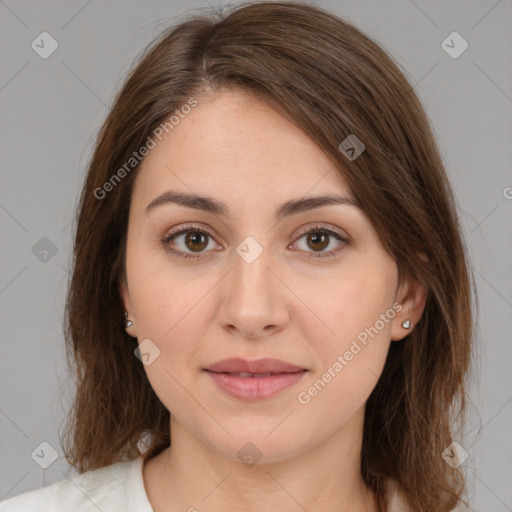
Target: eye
[
  {"x": 196, "y": 240},
  {"x": 193, "y": 238},
  {"x": 319, "y": 238}
]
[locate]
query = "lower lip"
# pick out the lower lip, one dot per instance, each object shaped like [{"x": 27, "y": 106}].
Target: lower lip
[{"x": 255, "y": 388}]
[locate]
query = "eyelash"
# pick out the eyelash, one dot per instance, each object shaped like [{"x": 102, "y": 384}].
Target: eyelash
[{"x": 314, "y": 229}]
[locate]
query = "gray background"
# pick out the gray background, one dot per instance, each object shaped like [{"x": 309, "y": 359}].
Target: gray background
[{"x": 52, "y": 108}]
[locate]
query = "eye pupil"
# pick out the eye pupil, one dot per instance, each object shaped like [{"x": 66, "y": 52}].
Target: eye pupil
[
  {"x": 315, "y": 238},
  {"x": 194, "y": 237}
]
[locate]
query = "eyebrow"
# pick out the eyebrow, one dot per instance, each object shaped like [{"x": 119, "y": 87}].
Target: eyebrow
[{"x": 207, "y": 204}]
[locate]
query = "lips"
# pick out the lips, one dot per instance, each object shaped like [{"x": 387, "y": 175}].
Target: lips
[
  {"x": 260, "y": 367},
  {"x": 254, "y": 380},
  {"x": 245, "y": 374}
]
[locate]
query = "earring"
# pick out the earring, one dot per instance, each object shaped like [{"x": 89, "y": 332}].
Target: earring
[
  {"x": 406, "y": 324},
  {"x": 128, "y": 323}
]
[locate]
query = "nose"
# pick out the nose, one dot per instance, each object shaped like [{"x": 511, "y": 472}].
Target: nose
[{"x": 254, "y": 299}]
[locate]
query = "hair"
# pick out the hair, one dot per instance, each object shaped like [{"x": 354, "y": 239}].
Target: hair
[{"x": 331, "y": 81}]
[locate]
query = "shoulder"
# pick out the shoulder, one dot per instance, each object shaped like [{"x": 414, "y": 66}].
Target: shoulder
[
  {"x": 106, "y": 489},
  {"x": 396, "y": 501},
  {"x": 395, "y": 498}
]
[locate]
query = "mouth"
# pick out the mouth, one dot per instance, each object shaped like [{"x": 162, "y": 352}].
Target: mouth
[
  {"x": 259, "y": 367},
  {"x": 256, "y": 380},
  {"x": 251, "y": 375},
  {"x": 246, "y": 375}
]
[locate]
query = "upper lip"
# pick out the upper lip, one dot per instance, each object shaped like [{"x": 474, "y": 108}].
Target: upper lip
[{"x": 267, "y": 365}]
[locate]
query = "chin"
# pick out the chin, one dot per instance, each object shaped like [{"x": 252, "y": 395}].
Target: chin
[{"x": 258, "y": 445}]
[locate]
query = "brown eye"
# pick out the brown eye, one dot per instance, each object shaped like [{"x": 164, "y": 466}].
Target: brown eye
[
  {"x": 186, "y": 242},
  {"x": 318, "y": 240},
  {"x": 315, "y": 240},
  {"x": 196, "y": 240}
]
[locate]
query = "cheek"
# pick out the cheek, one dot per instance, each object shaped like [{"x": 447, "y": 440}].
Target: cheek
[
  {"x": 351, "y": 337},
  {"x": 349, "y": 366},
  {"x": 341, "y": 307},
  {"x": 163, "y": 298},
  {"x": 168, "y": 313}
]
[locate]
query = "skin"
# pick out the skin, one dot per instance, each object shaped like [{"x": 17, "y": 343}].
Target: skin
[{"x": 307, "y": 311}]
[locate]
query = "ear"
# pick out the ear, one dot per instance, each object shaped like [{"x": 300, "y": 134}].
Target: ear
[
  {"x": 125, "y": 299},
  {"x": 412, "y": 295}
]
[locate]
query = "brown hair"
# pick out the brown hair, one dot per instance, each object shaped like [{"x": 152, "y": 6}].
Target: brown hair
[{"x": 331, "y": 80}]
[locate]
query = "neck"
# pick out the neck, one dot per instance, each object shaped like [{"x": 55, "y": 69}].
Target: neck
[{"x": 190, "y": 475}]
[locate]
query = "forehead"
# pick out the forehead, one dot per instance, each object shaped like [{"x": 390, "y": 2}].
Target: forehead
[{"x": 235, "y": 146}]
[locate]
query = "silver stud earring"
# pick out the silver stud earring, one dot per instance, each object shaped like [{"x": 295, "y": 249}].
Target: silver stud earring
[
  {"x": 128, "y": 323},
  {"x": 406, "y": 324}
]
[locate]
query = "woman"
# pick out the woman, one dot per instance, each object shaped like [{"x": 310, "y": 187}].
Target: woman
[{"x": 270, "y": 304}]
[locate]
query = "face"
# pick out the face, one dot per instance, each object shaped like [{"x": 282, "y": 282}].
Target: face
[{"x": 312, "y": 287}]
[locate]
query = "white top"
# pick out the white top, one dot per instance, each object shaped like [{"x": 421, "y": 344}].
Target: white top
[{"x": 115, "y": 488}]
